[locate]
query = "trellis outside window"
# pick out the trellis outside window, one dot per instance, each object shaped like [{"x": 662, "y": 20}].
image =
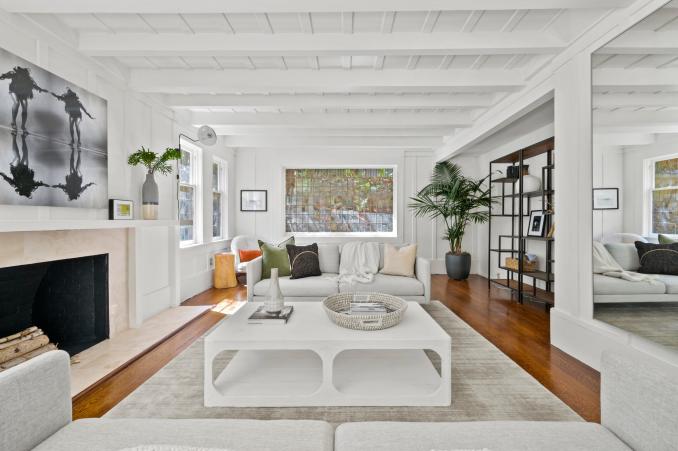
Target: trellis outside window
[
  {"x": 341, "y": 201},
  {"x": 664, "y": 196}
]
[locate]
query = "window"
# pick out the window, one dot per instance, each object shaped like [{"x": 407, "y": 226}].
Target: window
[
  {"x": 218, "y": 198},
  {"x": 189, "y": 200},
  {"x": 340, "y": 201},
  {"x": 664, "y": 196}
]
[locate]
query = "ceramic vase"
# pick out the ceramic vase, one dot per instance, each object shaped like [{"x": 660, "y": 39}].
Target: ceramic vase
[
  {"x": 531, "y": 183},
  {"x": 274, "y": 302},
  {"x": 149, "y": 198}
]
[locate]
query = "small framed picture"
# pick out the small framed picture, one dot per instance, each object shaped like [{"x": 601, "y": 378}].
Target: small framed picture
[
  {"x": 253, "y": 200},
  {"x": 120, "y": 209},
  {"x": 537, "y": 222},
  {"x": 605, "y": 198}
]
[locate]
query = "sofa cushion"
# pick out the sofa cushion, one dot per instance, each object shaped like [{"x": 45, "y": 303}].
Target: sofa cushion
[
  {"x": 323, "y": 285},
  {"x": 383, "y": 283},
  {"x": 612, "y": 285},
  {"x": 241, "y": 435},
  {"x": 486, "y": 435},
  {"x": 328, "y": 254},
  {"x": 304, "y": 261},
  {"x": 658, "y": 258},
  {"x": 275, "y": 256},
  {"x": 671, "y": 282},
  {"x": 625, "y": 254},
  {"x": 399, "y": 261}
]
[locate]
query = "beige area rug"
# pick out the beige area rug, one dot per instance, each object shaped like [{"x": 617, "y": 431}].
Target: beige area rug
[{"x": 486, "y": 385}]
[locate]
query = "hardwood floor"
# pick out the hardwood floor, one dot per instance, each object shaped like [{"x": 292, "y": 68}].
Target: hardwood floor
[{"x": 520, "y": 331}]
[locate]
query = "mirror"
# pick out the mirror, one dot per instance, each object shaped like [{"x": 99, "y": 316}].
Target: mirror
[{"x": 635, "y": 179}]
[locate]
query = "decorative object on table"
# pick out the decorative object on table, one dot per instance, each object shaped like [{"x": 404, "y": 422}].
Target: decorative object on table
[
  {"x": 275, "y": 301},
  {"x": 665, "y": 239},
  {"x": 459, "y": 201},
  {"x": 535, "y": 227},
  {"x": 530, "y": 263},
  {"x": 120, "y": 209},
  {"x": 399, "y": 261},
  {"x": 253, "y": 200},
  {"x": 338, "y": 309},
  {"x": 247, "y": 255},
  {"x": 605, "y": 198},
  {"x": 552, "y": 231},
  {"x": 304, "y": 261},
  {"x": 224, "y": 270},
  {"x": 275, "y": 256},
  {"x": 658, "y": 258},
  {"x": 261, "y": 316},
  {"x": 153, "y": 163},
  {"x": 54, "y": 138}
]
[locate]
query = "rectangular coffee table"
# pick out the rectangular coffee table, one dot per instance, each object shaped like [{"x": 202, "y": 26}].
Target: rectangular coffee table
[{"x": 310, "y": 361}]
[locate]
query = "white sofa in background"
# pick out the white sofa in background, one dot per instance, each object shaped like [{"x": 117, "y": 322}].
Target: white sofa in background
[
  {"x": 639, "y": 407},
  {"x": 614, "y": 290},
  {"x": 316, "y": 288}
]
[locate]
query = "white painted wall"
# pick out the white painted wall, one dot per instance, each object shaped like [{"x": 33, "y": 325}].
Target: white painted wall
[
  {"x": 264, "y": 169},
  {"x": 609, "y": 172}
]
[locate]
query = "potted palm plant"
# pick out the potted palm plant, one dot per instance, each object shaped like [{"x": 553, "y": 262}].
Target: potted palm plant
[{"x": 459, "y": 201}]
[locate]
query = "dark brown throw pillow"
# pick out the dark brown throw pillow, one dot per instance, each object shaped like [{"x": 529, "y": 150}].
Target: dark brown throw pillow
[
  {"x": 304, "y": 261},
  {"x": 658, "y": 258}
]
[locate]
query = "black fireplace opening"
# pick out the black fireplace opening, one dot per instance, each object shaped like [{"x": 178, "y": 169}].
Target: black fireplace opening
[{"x": 67, "y": 299}]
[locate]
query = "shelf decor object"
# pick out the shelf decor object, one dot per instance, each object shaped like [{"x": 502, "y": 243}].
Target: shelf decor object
[
  {"x": 338, "y": 308},
  {"x": 525, "y": 214},
  {"x": 605, "y": 198},
  {"x": 120, "y": 209},
  {"x": 153, "y": 163}
]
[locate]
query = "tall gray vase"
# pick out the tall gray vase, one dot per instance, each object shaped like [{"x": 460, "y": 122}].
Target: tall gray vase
[{"x": 149, "y": 198}]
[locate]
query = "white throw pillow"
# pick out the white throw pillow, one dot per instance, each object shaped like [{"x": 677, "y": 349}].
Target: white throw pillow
[{"x": 399, "y": 261}]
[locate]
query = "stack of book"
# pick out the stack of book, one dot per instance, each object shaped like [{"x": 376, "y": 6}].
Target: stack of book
[
  {"x": 261, "y": 316},
  {"x": 367, "y": 308}
]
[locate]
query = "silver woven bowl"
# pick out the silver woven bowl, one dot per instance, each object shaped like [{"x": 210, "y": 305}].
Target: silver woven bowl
[{"x": 336, "y": 305}]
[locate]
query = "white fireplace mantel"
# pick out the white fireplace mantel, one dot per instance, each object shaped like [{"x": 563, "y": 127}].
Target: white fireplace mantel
[{"x": 79, "y": 224}]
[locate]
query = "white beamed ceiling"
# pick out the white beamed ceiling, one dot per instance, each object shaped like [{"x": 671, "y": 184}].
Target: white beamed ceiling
[{"x": 300, "y": 73}]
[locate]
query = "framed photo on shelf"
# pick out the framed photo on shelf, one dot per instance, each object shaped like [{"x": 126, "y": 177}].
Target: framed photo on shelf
[
  {"x": 606, "y": 198},
  {"x": 537, "y": 222},
  {"x": 120, "y": 209},
  {"x": 253, "y": 200}
]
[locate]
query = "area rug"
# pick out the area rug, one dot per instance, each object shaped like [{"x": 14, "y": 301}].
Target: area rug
[{"x": 486, "y": 385}]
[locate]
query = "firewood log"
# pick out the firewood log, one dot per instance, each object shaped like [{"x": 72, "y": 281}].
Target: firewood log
[
  {"x": 24, "y": 332},
  {"x": 27, "y": 356},
  {"x": 22, "y": 348},
  {"x": 18, "y": 340}
]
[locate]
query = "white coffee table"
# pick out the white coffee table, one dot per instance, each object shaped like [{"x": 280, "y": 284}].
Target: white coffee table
[{"x": 310, "y": 361}]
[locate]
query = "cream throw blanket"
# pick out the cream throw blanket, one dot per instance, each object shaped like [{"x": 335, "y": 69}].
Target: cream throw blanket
[
  {"x": 359, "y": 262},
  {"x": 605, "y": 264}
]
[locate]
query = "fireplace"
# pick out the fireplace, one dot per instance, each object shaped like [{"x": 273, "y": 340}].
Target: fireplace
[{"x": 67, "y": 299}]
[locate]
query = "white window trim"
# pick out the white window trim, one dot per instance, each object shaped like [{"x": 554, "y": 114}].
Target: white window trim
[
  {"x": 396, "y": 212},
  {"x": 648, "y": 188},
  {"x": 196, "y": 178},
  {"x": 222, "y": 188}
]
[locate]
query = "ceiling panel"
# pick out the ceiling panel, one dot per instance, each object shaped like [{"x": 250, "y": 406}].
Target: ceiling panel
[
  {"x": 202, "y": 62},
  {"x": 409, "y": 21},
  {"x": 168, "y": 62},
  {"x": 234, "y": 62},
  {"x": 493, "y": 20},
  {"x": 166, "y": 23},
  {"x": 135, "y": 62},
  {"x": 326, "y": 22},
  {"x": 125, "y": 23},
  {"x": 536, "y": 20},
  {"x": 365, "y": 22},
  {"x": 83, "y": 22},
  {"x": 208, "y": 23},
  {"x": 245, "y": 23},
  {"x": 451, "y": 21},
  {"x": 286, "y": 23}
]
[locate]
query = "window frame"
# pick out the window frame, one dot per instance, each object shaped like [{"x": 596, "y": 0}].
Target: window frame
[
  {"x": 222, "y": 189},
  {"x": 396, "y": 211},
  {"x": 196, "y": 184},
  {"x": 649, "y": 188}
]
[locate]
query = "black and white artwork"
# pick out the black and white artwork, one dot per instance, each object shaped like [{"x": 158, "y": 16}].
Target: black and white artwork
[{"x": 53, "y": 139}]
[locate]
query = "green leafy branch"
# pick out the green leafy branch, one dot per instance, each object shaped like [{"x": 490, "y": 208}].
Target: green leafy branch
[{"x": 154, "y": 162}]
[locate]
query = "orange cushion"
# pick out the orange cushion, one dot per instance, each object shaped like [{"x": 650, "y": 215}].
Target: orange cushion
[{"x": 248, "y": 254}]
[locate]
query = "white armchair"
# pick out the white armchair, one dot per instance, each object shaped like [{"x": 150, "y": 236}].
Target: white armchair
[{"x": 242, "y": 242}]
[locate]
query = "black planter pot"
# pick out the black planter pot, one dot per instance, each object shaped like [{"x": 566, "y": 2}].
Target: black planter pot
[{"x": 458, "y": 266}]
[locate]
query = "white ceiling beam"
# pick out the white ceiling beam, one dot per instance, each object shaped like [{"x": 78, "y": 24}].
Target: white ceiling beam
[
  {"x": 372, "y": 142},
  {"x": 635, "y": 100},
  {"x": 187, "y": 81},
  {"x": 623, "y": 139},
  {"x": 353, "y": 101},
  {"x": 335, "y": 120},
  {"x": 289, "y": 6},
  {"x": 646, "y": 121},
  {"x": 300, "y": 44},
  {"x": 635, "y": 78},
  {"x": 643, "y": 43},
  {"x": 268, "y": 130}
]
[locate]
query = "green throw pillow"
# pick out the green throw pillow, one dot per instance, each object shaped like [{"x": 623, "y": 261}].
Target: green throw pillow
[
  {"x": 663, "y": 239},
  {"x": 275, "y": 256}
]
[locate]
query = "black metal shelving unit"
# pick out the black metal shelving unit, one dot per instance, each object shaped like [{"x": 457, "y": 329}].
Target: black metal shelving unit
[{"x": 515, "y": 242}]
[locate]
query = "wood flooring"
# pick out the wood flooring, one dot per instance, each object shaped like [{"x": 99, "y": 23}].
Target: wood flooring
[{"x": 520, "y": 331}]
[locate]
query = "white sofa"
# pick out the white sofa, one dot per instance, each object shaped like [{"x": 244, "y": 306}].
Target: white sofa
[
  {"x": 316, "y": 288},
  {"x": 639, "y": 406},
  {"x": 614, "y": 290}
]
